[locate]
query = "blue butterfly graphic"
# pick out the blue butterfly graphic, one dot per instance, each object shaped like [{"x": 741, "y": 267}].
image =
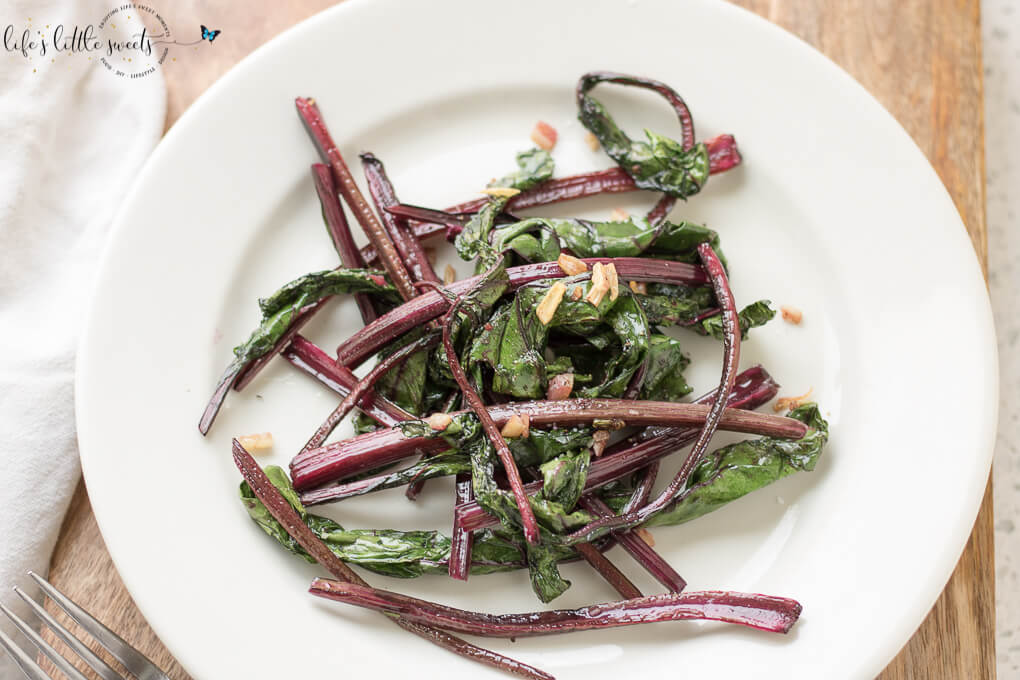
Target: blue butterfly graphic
[{"x": 209, "y": 35}]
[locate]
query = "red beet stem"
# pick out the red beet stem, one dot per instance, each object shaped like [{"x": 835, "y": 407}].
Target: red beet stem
[
  {"x": 316, "y": 127},
  {"x": 754, "y": 388},
  {"x": 415, "y": 487},
  {"x": 661, "y": 209},
  {"x": 764, "y": 612},
  {"x": 722, "y": 155},
  {"x": 612, "y": 180},
  {"x": 643, "y": 490},
  {"x": 340, "y": 231},
  {"x": 311, "y": 359},
  {"x": 589, "y": 80},
  {"x": 350, "y": 256},
  {"x": 282, "y": 511},
  {"x": 607, "y": 570},
  {"x": 407, "y": 244},
  {"x": 597, "y": 559},
  {"x": 463, "y": 648},
  {"x": 707, "y": 314},
  {"x": 583, "y": 185},
  {"x": 216, "y": 400},
  {"x": 731, "y": 358},
  {"x": 338, "y": 460},
  {"x": 461, "y": 540},
  {"x": 642, "y": 553},
  {"x": 471, "y": 398},
  {"x": 364, "y": 386},
  {"x": 428, "y": 306},
  {"x": 240, "y": 377},
  {"x": 253, "y": 368},
  {"x": 416, "y": 212},
  {"x": 288, "y": 518}
]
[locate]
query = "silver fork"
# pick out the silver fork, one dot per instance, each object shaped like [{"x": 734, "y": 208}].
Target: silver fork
[{"x": 134, "y": 661}]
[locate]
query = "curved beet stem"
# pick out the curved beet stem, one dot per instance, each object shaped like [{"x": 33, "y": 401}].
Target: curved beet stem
[
  {"x": 476, "y": 404},
  {"x": 364, "y": 386},
  {"x": 340, "y": 231},
  {"x": 288, "y": 518},
  {"x": 316, "y": 127},
  {"x": 731, "y": 358},
  {"x": 754, "y": 388},
  {"x": 411, "y": 251},
  {"x": 310, "y": 358},
  {"x": 764, "y": 612},
  {"x": 589, "y": 80},
  {"x": 338, "y": 460},
  {"x": 427, "y": 306}
]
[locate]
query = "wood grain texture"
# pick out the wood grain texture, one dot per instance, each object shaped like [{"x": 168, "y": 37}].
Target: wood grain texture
[
  {"x": 920, "y": 58},
  {"x": 82, "y": 569}
]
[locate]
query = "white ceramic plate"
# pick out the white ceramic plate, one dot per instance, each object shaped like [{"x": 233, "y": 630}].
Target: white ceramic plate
[{"x": 834, "y": 211}]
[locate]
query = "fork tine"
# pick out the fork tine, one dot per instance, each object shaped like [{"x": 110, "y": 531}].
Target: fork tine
[
  {"x": 88, "y": 656},
  {"x": 27, "y": 665},
  {"x": 60, "y": 662},
  {"x": 136, "y": 662}
]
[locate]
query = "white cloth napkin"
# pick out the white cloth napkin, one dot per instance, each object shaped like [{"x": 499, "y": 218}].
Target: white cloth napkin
[{"x": 73, "y": 137}]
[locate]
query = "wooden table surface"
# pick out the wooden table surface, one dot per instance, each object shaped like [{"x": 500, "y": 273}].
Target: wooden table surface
[{"x": 920, "y": 58}]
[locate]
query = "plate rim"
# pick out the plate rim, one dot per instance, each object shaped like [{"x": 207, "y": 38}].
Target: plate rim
[{"x": 960, "y": 532}]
